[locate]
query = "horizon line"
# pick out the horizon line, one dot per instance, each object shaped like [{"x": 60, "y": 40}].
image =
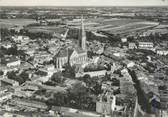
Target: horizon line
[{"x": 84, "y": 6}]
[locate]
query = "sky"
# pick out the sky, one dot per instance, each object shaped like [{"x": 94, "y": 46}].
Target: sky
[{"x": 83, "y": 2}]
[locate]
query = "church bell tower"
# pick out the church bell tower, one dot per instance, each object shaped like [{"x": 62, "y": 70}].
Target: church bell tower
[{"x": 82, "y": 35}]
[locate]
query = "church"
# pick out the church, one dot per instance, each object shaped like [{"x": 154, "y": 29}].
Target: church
[{"x": 75, "y": 55}]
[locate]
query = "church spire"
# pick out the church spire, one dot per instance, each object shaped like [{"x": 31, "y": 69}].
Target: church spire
[{"x": 82, "y": 35}]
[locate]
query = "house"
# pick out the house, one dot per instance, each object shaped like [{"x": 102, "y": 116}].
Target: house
[
  {"x": 12, "y": 61},
  {"x": 132, "y": 46},
  {"x": 108, "y": 104},
  {"x": 71, "y": 112},
  {"x": 6, "y": 96},
  {"x": 30, "y": 103},
  {"x": 53, "y": 48},
  {"x": 123, "y": 39},
  {"x": 7, "y": 44},
  {"x": 164, "y": 44},
  {"x": 17, "y": 28},
  {"x": 163, "y": 52},
  {"x": 42, "y": 56},
  {"x": 43, "y": 22},
  {"x": 8, "y": 82},
  {"x": 49, "y": 69},
  {"x": 7, "y": 114},
  {"x": 23, "y": 93},
  {"x": 128, "y": 63},
  {"x": 110, "y": 86},
  {"x": 92, "y": 74},
  {"x": 3, "y": 90},
  {"x": 30, "y": 51},
  {"x": 30, "y": 87},
  {"x": 20, "y": 39},
  {"x": 145, "y": 45},
  {"x": 118, "y": 54}
]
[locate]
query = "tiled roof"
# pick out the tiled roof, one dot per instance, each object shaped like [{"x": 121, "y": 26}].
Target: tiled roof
[
  {"x": 10, "y": 81},
  {"x": 64, "y": 52},
  {"x": 79, "y": 50},
  {"x": 10, "y": 59}
]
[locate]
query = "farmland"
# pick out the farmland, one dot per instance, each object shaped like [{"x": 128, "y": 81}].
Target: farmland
[
  {"x": 7, "y": 23},
  {"x": 110, "y": 25},
  {"x": 162, "y": 29},
  {"x": 46, "y": 29},
  {"x": 115, "y": 25}
]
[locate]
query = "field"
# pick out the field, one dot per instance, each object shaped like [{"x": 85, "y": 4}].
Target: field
[
  {"x": 115, "y": 25},
  {"x": 162, "y": 29},
  {"x": 7, "y": 23},
  {"x": 47, "y": 29},
  {"x": 110, "y": 25}
]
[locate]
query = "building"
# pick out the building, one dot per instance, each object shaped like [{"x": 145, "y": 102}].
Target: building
[
  {"x": 29, "y": 104},
  {"x": 109, "y": 105},
  {"x": 100, "y": 73},
  {"x": 139, "y": 112},
  {"x": 17, "y": 28},
  {"x": 12, "y": 61},
  {"x": 20, "y": 39},
  {"x": 103, "y": 105},
  {"x": 8, "y": 82},
  {"x": 163, "y": 52},
  {"x": 3, "y": 90},
  {"x": 82, "y": 36},
  {"x": 30, "y": 51},
  {"x": 43, "y": 22},
  {"x": 145, "y": 45},
  {"x": 73, "y": 55},
  {"x": 5, "y": 96},
  {"x": 123, "y": 39},
  {"x": 41, "y": 57},
  {"x": 132, "y": 46},
  {"x": 12, "y": 115},
  {"x": 7, "y": 44},
  {"x": 71, "y": 112}
]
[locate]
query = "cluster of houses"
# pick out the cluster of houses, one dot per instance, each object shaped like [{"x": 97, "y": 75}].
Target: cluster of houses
[
  {"x": 149, "y": 46},
  {"x": 51, "y": 56}
]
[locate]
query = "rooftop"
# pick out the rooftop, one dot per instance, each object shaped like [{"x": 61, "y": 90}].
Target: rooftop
[
  {"x": 64, "y": 52},
  {"x": 10, "y": 59},
  {"x": 10, "y": 81}
]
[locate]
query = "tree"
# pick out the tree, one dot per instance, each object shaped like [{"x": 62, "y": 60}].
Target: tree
[
  {"x": 4, "y": 33},
  {"x": 1, "y": 73},
  {"x": 142, "y": 98},
  {"x": 87, "y": 79},
  {"x": 69, "y": 71},
  {"x": 12, "y": 50},
  {"x": 22, "y": 54},
  {"x": 80, "y": 93},
  {"x": 97, "y": 89},
  {"x": 24, "y": 76},
  {"x": 58, "y": 78},
  {"x": 130, "y": 38},
  {"x": 11, "y": 75},
  {"x": 57, "y": 99},
  {"x": 41, "y": 73}
]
